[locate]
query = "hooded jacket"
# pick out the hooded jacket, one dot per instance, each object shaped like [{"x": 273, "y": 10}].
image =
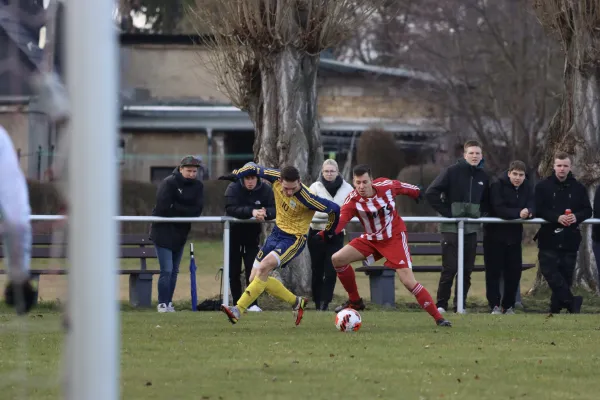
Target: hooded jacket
[
  {"x": 507, "y": 201},
  {"x": 176, "y": 197},
  {"x": 462, "y": 190},
  {"x": 240, "y": 202},
  {"x": 552, "y": 198}
]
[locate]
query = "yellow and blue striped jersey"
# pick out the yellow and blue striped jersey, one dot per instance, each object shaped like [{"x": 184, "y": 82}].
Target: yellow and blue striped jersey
[{"x": 294, "y": 214}]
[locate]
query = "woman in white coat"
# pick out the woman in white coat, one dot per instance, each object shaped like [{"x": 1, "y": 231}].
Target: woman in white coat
[{"x": 331, "y": 186}]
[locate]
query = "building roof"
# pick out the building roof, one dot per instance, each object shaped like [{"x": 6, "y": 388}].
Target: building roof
[
  {"x": 329, "y": 64},
  {"x": 170, "y": 118}
]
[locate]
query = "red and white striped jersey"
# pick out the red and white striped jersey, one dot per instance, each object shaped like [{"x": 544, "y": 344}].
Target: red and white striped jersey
[{"x": 378, "y": 213}]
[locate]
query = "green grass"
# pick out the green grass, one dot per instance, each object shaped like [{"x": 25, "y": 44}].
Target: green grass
[{"x": 395, "y": 355}]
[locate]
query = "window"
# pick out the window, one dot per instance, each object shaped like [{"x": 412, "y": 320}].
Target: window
[{"x": 157, "y": 174}]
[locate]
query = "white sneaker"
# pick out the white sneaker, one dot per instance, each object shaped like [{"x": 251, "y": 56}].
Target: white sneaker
[
  {"x": 496, "y": 311},
  {"x": 162, "y": 307},
  {"x": 255, "y": 308},
  {"x": 510, "y": 311},
  {"x": 170, "y": 307},
  {"x": 441, "y": 310}
]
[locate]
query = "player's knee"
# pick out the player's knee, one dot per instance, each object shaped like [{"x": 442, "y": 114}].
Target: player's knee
[
  {"x": 266, "y": 266},
  {"x": 337, "y": 260}
]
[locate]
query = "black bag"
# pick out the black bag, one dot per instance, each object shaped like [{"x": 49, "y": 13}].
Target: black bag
[
  {"x": 213, "y": 304},
  {"x": 209, "y": 305}
]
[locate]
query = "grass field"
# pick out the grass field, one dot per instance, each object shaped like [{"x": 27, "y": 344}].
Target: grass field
[{"x": 395, "y": 355}]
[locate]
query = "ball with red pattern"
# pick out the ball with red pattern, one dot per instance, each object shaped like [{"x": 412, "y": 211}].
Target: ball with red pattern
[{"x": 348, "y": 320}]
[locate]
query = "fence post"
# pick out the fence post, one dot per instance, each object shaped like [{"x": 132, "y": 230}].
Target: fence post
[
  {"x": 225, "y": 276},
  {"x": 460, "y": 289}
]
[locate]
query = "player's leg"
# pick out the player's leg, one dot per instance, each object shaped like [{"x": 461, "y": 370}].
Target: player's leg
[
  {"x": 15, "y": 215},
  {"x": 422, "y": 295},
  {"x": 249, "y": 253},
  {"x": 357, "y": 250},
  {"x": 397, "y": 254},
  {"x": 256, "y": 287},
  {"x": 288, "y": 248}
]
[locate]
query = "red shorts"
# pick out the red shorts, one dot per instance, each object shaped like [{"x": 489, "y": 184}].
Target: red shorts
[{"x": 394, "y": 250}]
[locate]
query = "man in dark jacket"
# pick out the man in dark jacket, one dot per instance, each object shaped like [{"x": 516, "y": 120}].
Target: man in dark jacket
[
  {"x": 596, "y": 229},
  {"x": 460, "y": 191},
  {"x": 245, "y": 199},
  {"x": 511, "y": 197},
  {"x": 564, "y": 203},
  {"x": 179, "y": 195}
]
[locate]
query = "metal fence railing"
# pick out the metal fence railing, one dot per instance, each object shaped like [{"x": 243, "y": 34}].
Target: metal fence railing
[{"x": 227, "y": 221}]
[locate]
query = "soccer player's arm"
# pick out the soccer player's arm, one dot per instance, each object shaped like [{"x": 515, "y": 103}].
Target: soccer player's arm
[
  {"x": 320, "y": 204},
  {"x": 270, "y": 174},
  {"x": 347, "y": 212},
  {"x": 406, "y": 189}
]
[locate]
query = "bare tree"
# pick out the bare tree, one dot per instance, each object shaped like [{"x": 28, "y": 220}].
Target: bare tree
[
  {"x": 265, "y": 54},
  {"x": 575, "y": 125},
  {"x": 497, "y": 72}
]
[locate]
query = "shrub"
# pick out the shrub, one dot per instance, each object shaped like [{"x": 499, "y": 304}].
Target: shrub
[
  {"x": 378, "y": 149},
  {"x": 422, "y": 175}
]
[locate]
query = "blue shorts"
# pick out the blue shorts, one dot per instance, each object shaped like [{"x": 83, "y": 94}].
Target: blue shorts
[{"x": 283, "y": 245}]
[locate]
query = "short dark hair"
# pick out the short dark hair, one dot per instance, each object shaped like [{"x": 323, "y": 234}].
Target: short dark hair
[
  {"x": 561, "y": 155},
  {"x": 517, "y": 165},
  {"x": 361, "y": 169},
  {"x": 471, "y": 143},
  {"x": 290, "y": 174}
]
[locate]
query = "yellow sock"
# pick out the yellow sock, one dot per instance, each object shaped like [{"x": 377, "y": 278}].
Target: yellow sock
[
  {"x": 276, "y": 288},
  {"x": 254, "y": 289}
]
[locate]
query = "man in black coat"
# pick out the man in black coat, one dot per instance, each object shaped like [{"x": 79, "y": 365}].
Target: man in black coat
[
  {"x": 564, "y": 203},
  {"x": 179, "y": 195},
  {"x": 511, "y": 197},
  {"x": 462, "y": 190},
  {"x": 596, "y": 229},
  {"x": 244, "y": 199}
]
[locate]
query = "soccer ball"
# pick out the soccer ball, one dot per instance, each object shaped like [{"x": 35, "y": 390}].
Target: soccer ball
[{"x": 348, "y": 320}]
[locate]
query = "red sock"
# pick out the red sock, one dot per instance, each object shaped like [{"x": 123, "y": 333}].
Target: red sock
[
  {"x": 426, "y": 302},
  {"x": 348, "y": 279}
]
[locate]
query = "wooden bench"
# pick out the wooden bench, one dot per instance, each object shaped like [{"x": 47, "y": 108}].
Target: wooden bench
[
  {"x": 140, "y": 280},
  {"x": 382, "y": 280}
]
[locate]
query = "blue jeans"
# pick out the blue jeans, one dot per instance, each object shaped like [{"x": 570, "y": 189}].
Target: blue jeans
[{"x": 169, "y": 269}]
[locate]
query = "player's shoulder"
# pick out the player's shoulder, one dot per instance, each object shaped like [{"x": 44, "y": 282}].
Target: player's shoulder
[
  {"x": 353, "y": 196},
  {"x": 309, "y": 190},
  {"x": 382, "y": 182}
]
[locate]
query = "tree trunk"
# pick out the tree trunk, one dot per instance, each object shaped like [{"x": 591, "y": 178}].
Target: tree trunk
[
  {"x": 284, "y": 113},
  {"x": 575, "y": 130}
]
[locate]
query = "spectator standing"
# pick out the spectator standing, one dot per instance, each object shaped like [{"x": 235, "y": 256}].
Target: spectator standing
[
  {"x": 179, "y": 195},
  {"x": 562, "y": 201},
  {"x": 246, "y": 198},
  {"x": 462, "y": 190},
  {"x": 333, "y": 187},
  {"x": 511, "y": 197},
  {"x": 596, "y": 230}
]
